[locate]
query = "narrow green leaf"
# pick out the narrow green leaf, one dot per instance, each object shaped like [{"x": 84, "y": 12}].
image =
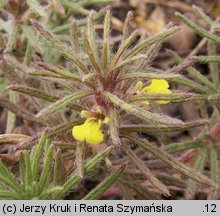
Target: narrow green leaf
[
  {"x": 141, "y": 113},
  {"x": 174, "y": 97},
  {"x": 45, "y": 73},
  {"x": 7, "y": 178},
  {"x": 35, "y": 157},
  {"x": 128, "y": 61},
  {"x": 45, "y": 175},
  {"x": 92, "y": 35},
  {"x": 127, "y": 30},
  {"x": 28, "y": 54},
  {"x": 123, "y": 47},
  {"x": 53, "y": 131},
  {"x": 58, "y": 7},
  {"x": 199, "y": 30},
  {"x": 136, "y": 75},
  {"x": 65, "y": 101},
  {"x": 89, "y": 166},
  {"x": 86, "y": 3},
  {"x": 76, "y": 8},
  {"x": 171, "y": 180},
  {"x": 28, "y": 171},
  {"x": 213, "y": 66},
  {"x": 56, "y": 43},
  {"x": 60, "y": 71},
  {"x": 106, "y": 42},
  {"x": 22, "y": 171},
  {"x": 90, "y": 53},
  {"x": 216, "y": 28},
  {"x": 150, "y": 128},
  {"x": 206, "y": 59},
  {"x": 193, "y": 85},
  {"x": 104, "y": 185},
  {"x": 183, "y": 146},
  {"x": 27, "y": 186},
  {"x": 145, "y": 171},
  {"x": 11, "y": 118},
  {"x": 199, "y": 165},
  {"x": 214, "y": 171},
  {"x": 31, "y": 36},
  {"x": 33, "y": 92},
  {"x": 63, "y": 127},
  {"x": 171, "y": 161},
  {"x": 12, "y": 38},
  {"x": 194, "y": 72},
  {"x": 58, "y": 169},
  {"x": 7, "y": 195},
  {"x": 75, "y": 38},
  {"x": 36, "y": 7},
  {"x": 151, "y": 40},
  {"x": 203, "y": 109},
  {"x": 48, "y": 194},
  {"x": 203, "y": 16},
  {"x": 15, "y": 63}
]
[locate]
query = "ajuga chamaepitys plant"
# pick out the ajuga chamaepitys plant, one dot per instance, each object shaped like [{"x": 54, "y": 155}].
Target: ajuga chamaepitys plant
[{"x": 105, "y": 101}]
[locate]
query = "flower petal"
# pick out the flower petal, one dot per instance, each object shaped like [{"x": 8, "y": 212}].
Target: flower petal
[
  {"x": 89, "y": 131},
  {"x": 94, "y": 135},
  {"x": 167, "y": 91},
  {"x": 78, "y": 133},
  {"x": 157, "y": 86}
]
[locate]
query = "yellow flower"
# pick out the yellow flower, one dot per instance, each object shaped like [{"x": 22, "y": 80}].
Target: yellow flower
[
  {"x": 157, "y": 86},
  {"x": 90, "y": 130}
]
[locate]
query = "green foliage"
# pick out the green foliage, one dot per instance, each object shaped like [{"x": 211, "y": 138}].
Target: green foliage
[
  {"x": 38, "y": 181},
  {"x": 36, "y": 7},
  {"x": 2, "y": 3},
  {"x": 34, "y": 181},
  {"x": 79, "y": 71}
]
